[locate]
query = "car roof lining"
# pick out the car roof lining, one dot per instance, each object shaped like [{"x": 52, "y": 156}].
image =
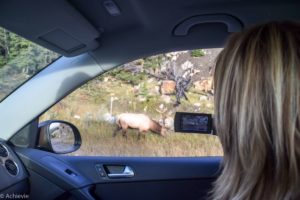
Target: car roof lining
[{"x": 143, "y": 28}]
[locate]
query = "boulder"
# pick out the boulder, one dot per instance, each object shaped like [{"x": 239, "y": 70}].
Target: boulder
[
  {"x": 205, "y": 84},
  {"x": 167, "y": 87}
]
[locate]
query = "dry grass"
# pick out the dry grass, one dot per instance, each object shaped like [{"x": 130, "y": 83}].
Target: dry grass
[
  {"x": 99, "y": 141},
  {"x": 92, "y": 101}
]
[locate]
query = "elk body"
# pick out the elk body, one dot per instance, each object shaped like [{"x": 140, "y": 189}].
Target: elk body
[{"x": 141, "y": 122}]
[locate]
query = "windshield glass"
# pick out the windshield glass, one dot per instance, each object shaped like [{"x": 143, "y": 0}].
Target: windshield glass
[{"x": 20, "y": 59}]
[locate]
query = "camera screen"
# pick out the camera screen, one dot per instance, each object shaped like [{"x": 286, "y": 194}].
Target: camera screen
[{"x": 193, "y": 122}]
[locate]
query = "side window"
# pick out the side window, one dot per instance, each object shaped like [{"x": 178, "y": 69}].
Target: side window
[{"x": 130, "y": 110}]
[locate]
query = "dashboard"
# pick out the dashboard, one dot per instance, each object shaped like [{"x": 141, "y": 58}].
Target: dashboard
[{"x": 14, "y": 178}]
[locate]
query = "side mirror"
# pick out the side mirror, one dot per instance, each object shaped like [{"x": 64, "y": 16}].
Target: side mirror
[{"x": 58, "y": 137}]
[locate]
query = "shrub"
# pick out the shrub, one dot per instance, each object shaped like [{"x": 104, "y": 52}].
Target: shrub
[
  {"x": 129, "y": 77},
  {"x": 197, "y": 53}
]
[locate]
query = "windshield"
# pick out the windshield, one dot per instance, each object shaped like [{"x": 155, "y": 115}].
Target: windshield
[{"x": 20, "y": 59}]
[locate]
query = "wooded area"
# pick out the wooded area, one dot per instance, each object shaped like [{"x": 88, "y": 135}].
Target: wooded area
[{"x": 19, "y": 60}]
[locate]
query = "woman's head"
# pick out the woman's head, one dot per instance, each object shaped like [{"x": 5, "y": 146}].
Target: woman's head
[{"x": 257, "y": 113}]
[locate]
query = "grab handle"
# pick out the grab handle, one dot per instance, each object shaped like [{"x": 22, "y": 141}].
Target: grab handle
[{"x": 233, "y": 24}]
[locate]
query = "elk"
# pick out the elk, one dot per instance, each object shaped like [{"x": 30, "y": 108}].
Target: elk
[{"x": 138, "y": 121}]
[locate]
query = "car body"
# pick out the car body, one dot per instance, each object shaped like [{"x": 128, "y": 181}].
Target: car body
[{"x": 94, "y": 37}]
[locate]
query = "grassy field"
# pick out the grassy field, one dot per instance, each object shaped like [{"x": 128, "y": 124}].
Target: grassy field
[
  {"x": 137, "y": 93},
  {"x": 91, "y": 101}
]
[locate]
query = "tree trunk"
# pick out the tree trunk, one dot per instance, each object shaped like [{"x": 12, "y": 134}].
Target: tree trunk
[{"x": 6, "y": 44}]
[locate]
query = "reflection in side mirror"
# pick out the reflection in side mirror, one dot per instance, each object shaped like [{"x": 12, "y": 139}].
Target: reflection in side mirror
[{"x": 59, "y": 137}]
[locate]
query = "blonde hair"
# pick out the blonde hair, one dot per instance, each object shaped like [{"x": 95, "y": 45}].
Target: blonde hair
[{"x": 257, "y": 113}]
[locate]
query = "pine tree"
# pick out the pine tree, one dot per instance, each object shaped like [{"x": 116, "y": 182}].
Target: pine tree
[{"x": 19, "y": 59}]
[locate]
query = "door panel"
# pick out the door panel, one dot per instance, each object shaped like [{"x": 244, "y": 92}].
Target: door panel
[
  {"x": 154, "y": 178},
  {"x": 148, "y": 168},
  {"x": 172, "y": 189}
]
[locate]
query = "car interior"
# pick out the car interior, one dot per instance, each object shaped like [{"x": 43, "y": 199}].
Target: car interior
[{"x": 93, "y": 37}]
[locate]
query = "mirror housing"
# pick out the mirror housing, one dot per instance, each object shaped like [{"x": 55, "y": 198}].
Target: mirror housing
[{"x": 58, "y": 137}]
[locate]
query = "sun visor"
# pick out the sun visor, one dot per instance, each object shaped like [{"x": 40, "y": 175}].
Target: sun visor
[{"x": 54, "y": 24}]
